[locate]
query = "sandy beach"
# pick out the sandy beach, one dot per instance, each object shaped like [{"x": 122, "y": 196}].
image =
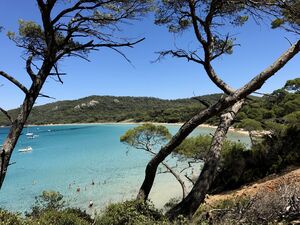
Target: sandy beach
[{"x": 232, "y": 129}]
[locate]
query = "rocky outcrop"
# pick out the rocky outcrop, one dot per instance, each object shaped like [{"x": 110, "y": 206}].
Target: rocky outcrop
[{"x": 89, "y": 104}]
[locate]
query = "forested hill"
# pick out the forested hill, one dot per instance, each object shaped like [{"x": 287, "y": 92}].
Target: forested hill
[
  {"x": 115, "y": 109},
  {"x": 271, "y": 111}
]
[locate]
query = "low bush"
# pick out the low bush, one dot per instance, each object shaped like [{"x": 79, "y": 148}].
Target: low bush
[{"x": 135, "y": 213}]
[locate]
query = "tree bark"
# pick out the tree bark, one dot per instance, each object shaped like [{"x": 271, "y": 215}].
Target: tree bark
[
  {"x": 18, "y": 124},
  {"x": 213, "y": 110},
  {"x": 189, "y": 205}
]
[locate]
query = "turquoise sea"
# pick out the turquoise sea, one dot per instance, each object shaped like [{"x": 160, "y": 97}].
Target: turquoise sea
[{"x": 68, "y": 157}]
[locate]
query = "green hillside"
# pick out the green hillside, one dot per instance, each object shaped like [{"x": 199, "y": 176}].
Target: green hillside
[
  {"x": 268, "y": 112},
  {"x": 115, "y": 109}
]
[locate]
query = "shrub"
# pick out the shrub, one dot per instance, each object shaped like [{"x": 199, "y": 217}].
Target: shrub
[
  {"x": 48, "y": 200},
  {"x": 8, "y": 218},
  {"x": 64, "y": 217},
  {"x": 134, "y": 213},
  {"x": 50, "y": 209},
  {"x": 275, "y": 153}
]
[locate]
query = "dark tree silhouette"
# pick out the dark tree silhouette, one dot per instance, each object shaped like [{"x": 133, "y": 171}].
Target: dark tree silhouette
[
  {"x": 80, "y": 27},
  {"x": 206, "y": 19}
]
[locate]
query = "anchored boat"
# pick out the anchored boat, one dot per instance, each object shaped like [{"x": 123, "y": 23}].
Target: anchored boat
[{"x": 27, "y": 149}]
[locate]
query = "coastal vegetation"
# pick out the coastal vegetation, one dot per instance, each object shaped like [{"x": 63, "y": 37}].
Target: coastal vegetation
[
  {"x": 206, "y": 21},
  {"x": 89, "y": 26},
  {"x": 94, "y": 109},
  {"x": 266, "y": 112},
  {"x": 82, "y": 26}
]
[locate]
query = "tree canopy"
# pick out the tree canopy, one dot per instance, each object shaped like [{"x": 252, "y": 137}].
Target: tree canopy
[
  {"x": 67, "y": 28},
  {"x": 147, "y": 136}
]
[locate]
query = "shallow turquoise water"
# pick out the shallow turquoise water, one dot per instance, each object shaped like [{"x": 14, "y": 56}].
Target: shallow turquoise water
[{"x": 65, "y": 158}]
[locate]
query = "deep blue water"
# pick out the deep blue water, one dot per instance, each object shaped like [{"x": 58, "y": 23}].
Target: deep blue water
[{"x": 68, "y": 157}]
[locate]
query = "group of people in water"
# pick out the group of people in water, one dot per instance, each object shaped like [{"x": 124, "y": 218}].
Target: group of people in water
[{"x": 91, "y": 203}]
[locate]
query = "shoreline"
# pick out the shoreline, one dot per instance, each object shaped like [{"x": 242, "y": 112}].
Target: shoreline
[{"x": 232, "y": 129}]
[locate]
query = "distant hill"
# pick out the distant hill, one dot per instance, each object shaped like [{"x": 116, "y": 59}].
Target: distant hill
[{"x": 115, "y": 109}]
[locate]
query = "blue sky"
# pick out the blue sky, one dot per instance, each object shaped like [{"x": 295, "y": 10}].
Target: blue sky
[{"x": 109, "y": 74}]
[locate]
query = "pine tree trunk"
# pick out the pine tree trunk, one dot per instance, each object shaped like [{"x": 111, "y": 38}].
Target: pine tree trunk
[
  {"x": 190, "y": 204},
  {"x": 18, "y": 124}
]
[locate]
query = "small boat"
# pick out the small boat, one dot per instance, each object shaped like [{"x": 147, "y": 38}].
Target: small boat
[
  {"x": 32, "y": 136},
  {"x": 27, "y": 149}
]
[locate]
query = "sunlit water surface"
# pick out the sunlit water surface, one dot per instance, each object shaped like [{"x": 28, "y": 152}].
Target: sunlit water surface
[{"x": 89, "y": 157}]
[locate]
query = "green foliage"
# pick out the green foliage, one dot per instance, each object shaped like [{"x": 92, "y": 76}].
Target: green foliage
[
  {"x": 30, "y": 30},
  {"x": 250, "y": 124},
  {"x": 146, "y": 136},
  {"x": 48, "y": 210},
  {"x": 63, "y": 217},
  {"x": 221, "y": 45},
  {"x": 198, "y": 147},
  {"x": 195, "y": 147},
  {"x": 48, "y": 200},
  {"x": 293, "y": 118},
  {"x": 277, "y": 23},
  {"x": 238, "y": 165},
  {"x": 273, "y": 126},
  {"x": 8, "y": 218},
  {"x": 131, "y": 213},
  {"x": 240, "y": 20},
  {"x": 274, "y": 111},
  {"x": 114, "y": 109},
  {"x": 275, "y": 153},
  {"x": 293, "y": 85},
  {"x": 63, "y": 42},
  {"x": 287, "y": 15},
  {"x": 270, "y": 108}
]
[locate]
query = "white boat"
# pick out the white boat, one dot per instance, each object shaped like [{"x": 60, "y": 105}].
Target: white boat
[
  {"x": 32, "y": 136},
  {"x": 27, "y": 149},
  {"x": 29, "y": 134}
]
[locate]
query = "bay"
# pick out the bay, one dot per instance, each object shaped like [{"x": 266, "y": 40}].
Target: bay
[{"x": 87, "y": 157}]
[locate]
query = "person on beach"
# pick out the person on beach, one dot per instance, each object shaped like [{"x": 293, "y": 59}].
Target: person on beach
[{"x": 91, "y": 203}]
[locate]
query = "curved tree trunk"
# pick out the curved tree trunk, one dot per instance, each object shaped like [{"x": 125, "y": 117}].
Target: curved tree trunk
[
  {"x": 213, "y": 110},
  {"x": 174, "y": 173},
  {"x": 190, "y": 204}
]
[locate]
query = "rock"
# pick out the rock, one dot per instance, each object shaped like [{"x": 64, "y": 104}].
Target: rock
[
  {"x": 55, "y": 108},
  {"x": 89, "y": 104},
  {"x": 77, "y": 107},
  {"x": 92, "y": 103}
]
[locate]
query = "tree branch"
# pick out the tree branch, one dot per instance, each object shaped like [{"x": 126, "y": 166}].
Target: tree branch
[
  {"x": 45, "y": 96},
  {"x": 182, "y": 54},
  {"x": 7, "y": 115},
  {"x": 14, "y": 81},
  {"x": 260, "y": 79},
  {"x": 202, "y": 101},
  {"x": 213, "y": 110},
  {"x": 57, "y": 74},
  {"x": 28, "y": 68}
]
